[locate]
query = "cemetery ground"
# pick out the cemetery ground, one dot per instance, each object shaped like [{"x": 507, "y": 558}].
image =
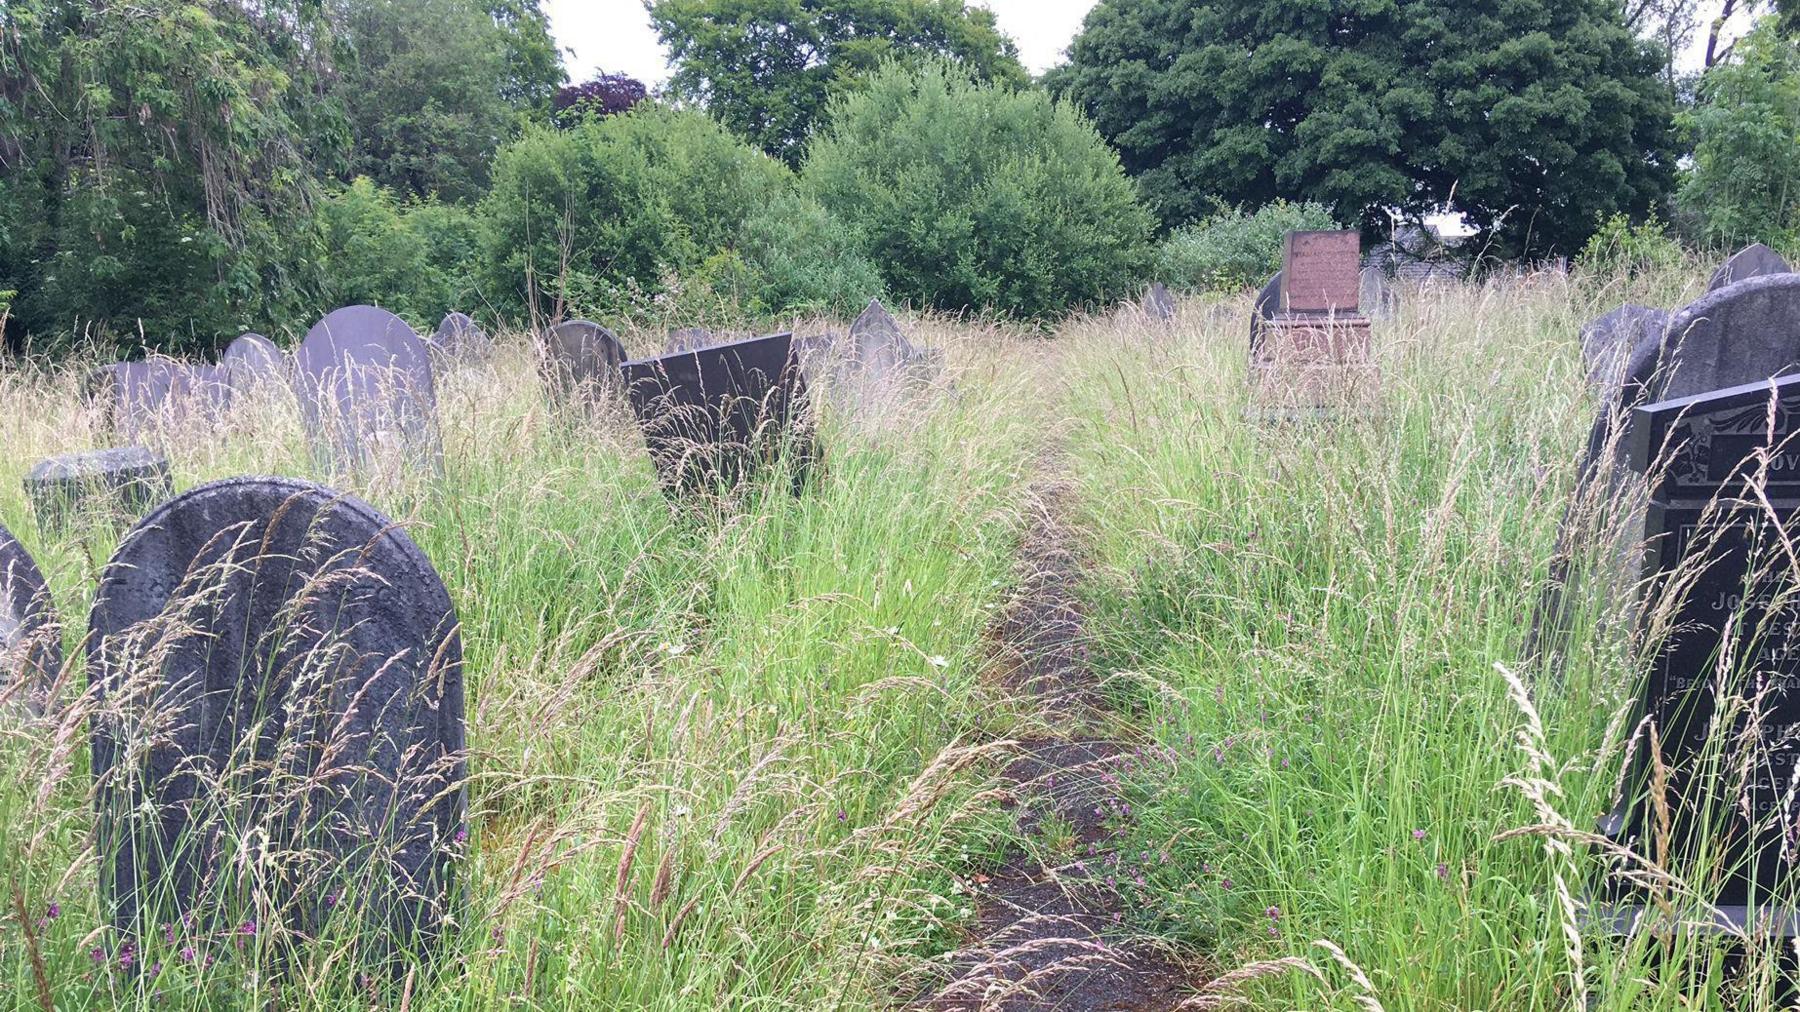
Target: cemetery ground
[{"x": 758, "y": 758}]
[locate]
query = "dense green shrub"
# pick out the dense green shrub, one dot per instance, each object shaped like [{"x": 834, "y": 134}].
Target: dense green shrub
[
  {"x": 792, "y": 256},
  {"x": 1232, "y": 249},
  {"x": 1745, "y": 182},
  {"x": 415, "y": 260},
  {"x": 975, "y": 196},
  {"x": 1619, "y": 248}
]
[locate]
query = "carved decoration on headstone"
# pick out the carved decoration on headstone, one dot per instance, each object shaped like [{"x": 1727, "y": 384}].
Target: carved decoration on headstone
[
  {"x": 113, "y": 486},
  {"x": 1754, "y": 261},
  {"x": 713, "y": 418},
  {"x": 276, "y": 666},
  {"x": 366, "y": 392},
  {"x": 31, "y": 656},
  {"x": 580, "y": 363}
]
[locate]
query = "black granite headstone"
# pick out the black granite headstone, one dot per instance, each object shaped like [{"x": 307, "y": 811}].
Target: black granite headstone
[
  {"x": 713, "y": 417},
  {"x": 1720, "y": 584},
  {"x": 30, "y": 640},
  {"x": 119, "y": 484},
  {"x": 580, "y": 361},
  {"x": 366, "y": 390},
  {"x": 276, "y": 665}
]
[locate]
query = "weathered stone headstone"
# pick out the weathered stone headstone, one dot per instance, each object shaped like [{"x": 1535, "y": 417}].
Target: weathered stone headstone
[
  {"x": 1377, "y": 297},
  {"x": 31, "y": 654},
  {"x": 1607, "y": 341},
  {"x": 1721, "y": 614},
  {"x": 1266, "y": 307},
  {"x": 1753, "y": 261},
  {"x": 688, "y": 339},
  {"x": 459, "y": 341},
  {"x": 278, "y": 666},
  {"x": 114, "y": 485},
  {"x": 1313, "y": 353},
  {"x": 580, "y": 363},
  {"x": 139, "y": 398},
  {"x": 1158, "y": 304},
  {"x": 872, "y": 368},
  {"x": 712, "y": 418},
  {"x": 366, "y": 391},
  {"x": 252, "y": 362}
]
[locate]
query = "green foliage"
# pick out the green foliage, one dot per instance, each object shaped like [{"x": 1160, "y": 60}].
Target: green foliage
[
  {"x": 1231, "y": 250},
  {"x": 772, "y": 84},
  {"x": 1745, "y": 182},
  {"x": 970, "y": 195},
  {"x": 1538, "y": 115},
  {"x": 790, "y": 257},
  {"x": 432, "y": 87},
  {"x": 413, "y": 260},
  {"x": 1620, "y": 249}
]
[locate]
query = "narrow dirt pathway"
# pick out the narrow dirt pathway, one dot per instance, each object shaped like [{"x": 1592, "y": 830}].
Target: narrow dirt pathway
[{"x": 1045, "y": 917}]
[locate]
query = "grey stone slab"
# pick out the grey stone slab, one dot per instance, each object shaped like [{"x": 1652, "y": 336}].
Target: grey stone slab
[
  {"x": 1378, "y": 299},
  {"x": 689, "y": 339},
  {"x": 1752, "y": 261},
  {"x": 366, "y": 391},
  {"x": 579, "y": 361},
  {"x": 1266, "y": 307},
  {"x": 31, "y": 655},
  {"x": 113, "y": 485},
  {"x": 277, "y": 662},
  {"x": 1158, "y": 304},
  {"x": 1607, "y": 342},
  {"x": 252, "y": 362},
  {"x": 458, "y": 341},
  {"x": 139, "y": 399}
]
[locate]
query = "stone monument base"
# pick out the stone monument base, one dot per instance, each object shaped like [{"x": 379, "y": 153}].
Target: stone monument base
[{"x": 1313, "y": 365}]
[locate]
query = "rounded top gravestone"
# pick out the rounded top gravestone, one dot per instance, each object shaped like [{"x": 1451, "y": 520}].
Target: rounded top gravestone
[
  {"x": 252, "y": 361},
  {"x": 580, "y": 360},
  {"x": 365, "y": 384},
  {"x": 1752, "y": 261},
  {"x": 30, "y": 640},
  {"x": 1266, "y": 307},
  {"x": 459, "y": 341},
  {"x": 274, "y": 660},
  {"x": 136, "y": 397},
  {"x": 1607, "y": 341}
]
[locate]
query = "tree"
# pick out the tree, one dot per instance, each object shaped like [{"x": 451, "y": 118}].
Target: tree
[
  {"x": 1745, "y": 181},
  {"x": 605, "y": 95},
  {"x": 432, "y": 88},
  {"x": 972, "y": 196},
  {"x": 768, "y": 68},
  {"x": 1540, "y": 116}
]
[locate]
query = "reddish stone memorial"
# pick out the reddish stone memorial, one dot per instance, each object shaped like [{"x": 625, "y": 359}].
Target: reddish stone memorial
[{"x": 1311, "y": 352}]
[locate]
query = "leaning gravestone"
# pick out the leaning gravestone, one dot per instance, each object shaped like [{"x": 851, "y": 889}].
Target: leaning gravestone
[
  {"x": 1750, "y": 262},
  {"x": 119, "y": 484},
  {"x": 1266, "y": 308},
  {"x": 277, "y": 664},
  {"x": 713, "y": 418},
  {"x": 458, "y": 341},
  {"x": 364, "y": 382},
  {"x": 580, "y": 362},
  {"x": 30, "y": 641},
  {"x": 1607, "y": 341},
  {"x": 252, "y": 362},
  {"x": 1721, "y": 616}
]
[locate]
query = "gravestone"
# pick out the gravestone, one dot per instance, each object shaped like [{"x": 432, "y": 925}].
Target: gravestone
[
  {"x": 1753, "y": 261},
  {"x": 458, "y": 341},
  {"x": 712, "y": 418},
  {"x": 1312, "y": 353},
  {"x": 875, "y": 366},
  {"x": 688, "y": 339},
  {"x": 366, "y": 391},
  {"x": 139, "y": 398},
  {"x": 278, "y": 662},
  {"x": 31, "y": 654},
  {"x": 580, "y": 362},
  {"x": 252, "y": 362},
  {"x": 1720, "y": 582},
  {"x": 1158, "y": 304},
  {"x": 1607, "y": 341},
  {"x": 1377, "y": 296},
  {"x": 114, "y": 485},
  {"x": 1266, "y": 307}
]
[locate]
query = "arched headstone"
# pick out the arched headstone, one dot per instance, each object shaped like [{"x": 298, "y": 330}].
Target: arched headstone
[
  {"x": 253, "y": 362},
  {"x": 366, "y": 390},
  {"x": 276, "y": 664},
  {"x": 30, "y": 641},
  {"x": 1607, "y": 341},
  {"x": 458, "y": 341},
  {"x": 580, "y": 362},
  {"x": 1753, "y": 261},
  {"x": 119, "y": 484},
  {"x": 1266, "y": 307},
  {"x": 139, "y": 397}
]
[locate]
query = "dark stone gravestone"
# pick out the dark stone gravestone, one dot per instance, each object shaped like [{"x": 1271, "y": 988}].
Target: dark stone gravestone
[
  {"x": 114, "y": 485},
  {"x": 580, "y": 363},
  {"x": 1607, "y": 341},
  {"x": 1721, "y": 614},
  {"x": 366, "y": 391},
  {"x": 252, "y": 362},
  {"x": 458, "y": 341},
  {"x": 138, "y": 398},
  {"x": 277, "y": 662},
  {"x": 1750, "y": 262},
  {"x": 1158, "y": 304},
  {"x": 713, "y": 417},
  {"x": 1266, "y": 308},
  {"x": 31, "y": 654},
  {"x": 873, "y": 368},
  {"x": 688, "y": 339}
]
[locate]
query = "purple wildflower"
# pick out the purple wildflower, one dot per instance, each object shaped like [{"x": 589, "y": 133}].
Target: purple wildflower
[
  {"x": 248, "y": 927},
  {"x": 53, "y": 911},
  {"x": 97, "y": 954},
  {"x": 1418, "y": 834},
  {"x": 187, "y": 954}
]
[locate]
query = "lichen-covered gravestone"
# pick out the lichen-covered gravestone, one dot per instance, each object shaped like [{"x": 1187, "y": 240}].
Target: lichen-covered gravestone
[
  {"x": 366, "y": 391},
  {"x": 580, "y": 362},
  {"x": 117, "y": 484},
  {"x": 459, "y": 341},
  {"x": 252, "y": 363},
  {"x": 713, "y": 418},
  {"x": 1607, "y": 341},
  {"x": 30, "y": 640},
  {"x": 278, "y": 679},
  {"x": 1754, "y": 261},
  {"x": 1721, "y": 623}
]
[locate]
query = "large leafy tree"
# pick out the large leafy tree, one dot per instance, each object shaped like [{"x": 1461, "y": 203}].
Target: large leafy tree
[
  {"x": 1745, "y": 181},
  {"x": 1538, "y": 116},
  {"x": 768, "y": 68}
]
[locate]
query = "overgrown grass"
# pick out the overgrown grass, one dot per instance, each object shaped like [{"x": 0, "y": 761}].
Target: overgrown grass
[{"x": 786, "y": 697}]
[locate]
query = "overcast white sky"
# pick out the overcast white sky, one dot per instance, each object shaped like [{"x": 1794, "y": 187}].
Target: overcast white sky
[{"x": 615, "y": 36}]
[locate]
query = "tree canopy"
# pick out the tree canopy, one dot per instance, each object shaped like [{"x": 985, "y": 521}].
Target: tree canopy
[
  {"x": 768, "y": 68},
  {"x": 1745, "y": 182},
  {"x": 1539, "y": 116}
]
